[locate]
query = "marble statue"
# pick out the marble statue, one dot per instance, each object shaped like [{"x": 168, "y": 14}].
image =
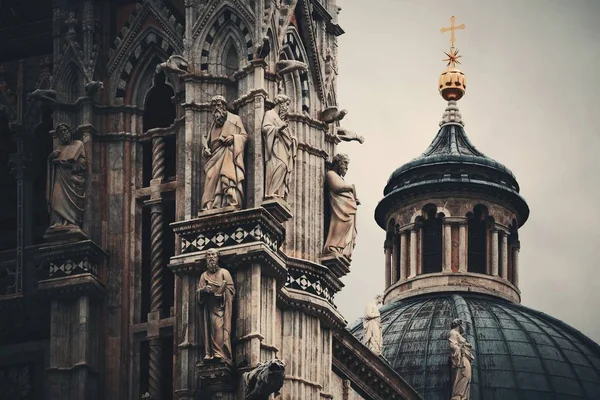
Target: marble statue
[
  {"x": 372, "y": 334},
  {"x": 343, "y": 202},
  {"x": 65, "y": 187},
  {"x": 264, "y": 380},
  {"x": 224, "y": 169},
  {"x": 460, "y": 358},
  {"x": 215, "y": 296},
  {"x": 175, "y": 63},
  {"x": 281, "y": 147}
]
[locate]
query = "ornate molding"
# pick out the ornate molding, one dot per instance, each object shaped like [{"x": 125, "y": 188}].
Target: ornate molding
[{"x": 312, "y": 278}]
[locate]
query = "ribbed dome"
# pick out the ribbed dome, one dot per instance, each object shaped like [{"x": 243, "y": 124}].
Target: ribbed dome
[
  {"x": 451, "y": 163},
  {"x": 520, "y": 353}
]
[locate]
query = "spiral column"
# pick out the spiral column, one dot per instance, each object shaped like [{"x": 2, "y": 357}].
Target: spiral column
[{"x": 156, "y": 250}]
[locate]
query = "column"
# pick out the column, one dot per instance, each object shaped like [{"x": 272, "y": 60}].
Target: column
[
  {"x": 403, "y": 255},
  {"x": 388, "y": 263},
  {"x": 504, "y": 255},
  {"x": 447, "y": 262},
  {"x": 413, "y": 253},
  {"x": 462, "y": 247},
  {"x": 494, "y": 253},
  {"x": 395, "y": 253},
  {"x": 515, "y": 263}
]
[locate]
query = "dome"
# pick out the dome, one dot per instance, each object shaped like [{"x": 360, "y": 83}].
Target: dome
[
  {"x": 520, "y": 353},
  {"x": 451, "y": 163}
]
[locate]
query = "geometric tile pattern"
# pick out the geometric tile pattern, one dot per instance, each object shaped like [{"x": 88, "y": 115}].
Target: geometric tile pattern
[
  {"x": 300, "y": 281},
  {"x": 228, "y": 237},
  {"x": 70, "y": 267}
]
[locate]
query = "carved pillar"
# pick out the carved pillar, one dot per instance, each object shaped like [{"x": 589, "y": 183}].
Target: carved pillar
[
  {"x": 462, "y": 247},
  {"x": 447, "y": 266},
  {"x": 515, "y": 263},
  {"x": 395, "y": 259},
  {"x": 494, "y": 252},
  {"x": 387, "y": 249},
  {"x": 403, "y": 255},
  {"x": 504, "y": 255},
  {"x": 413, "y": 252}
]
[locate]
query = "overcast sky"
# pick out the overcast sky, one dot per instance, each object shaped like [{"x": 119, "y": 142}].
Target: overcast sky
[{"x": 532, "y": 103}]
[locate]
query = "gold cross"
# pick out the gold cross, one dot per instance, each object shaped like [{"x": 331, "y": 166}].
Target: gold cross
[{"x": 452, "y": 29}]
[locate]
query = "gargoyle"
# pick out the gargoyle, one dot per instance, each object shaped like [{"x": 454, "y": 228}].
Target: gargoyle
[
  {"x": 332, "y": 114},
  {"x": 264, "y": 380},
  {"x": 174, "y": 63},
  {"x": 43, "y": 95},
  {"x": 92, "y": 87},
  {"x": 287, "y": 66}
]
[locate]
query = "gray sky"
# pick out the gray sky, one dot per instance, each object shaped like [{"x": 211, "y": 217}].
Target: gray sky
[{"x": 532, "y": 94}]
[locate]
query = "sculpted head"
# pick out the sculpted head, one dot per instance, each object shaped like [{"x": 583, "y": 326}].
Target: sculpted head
[
  {"x": 340, "y": 164},
  {"x": 457, "y": 323},
  {"x": 212, "y": 260},
  {"x": 64, "y": 133},
  {"x": 379, "y": 299},
  {"x": 219, "y": 105},
  {"x": 283, "y": 102}
]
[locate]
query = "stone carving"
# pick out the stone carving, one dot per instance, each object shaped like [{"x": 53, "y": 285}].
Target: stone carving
[
  {"x": 349, "y": 136},
  {"x": 43, "y": 95},
  {"x": 331, "y": 70},
  {"x": 281, "y": 147},
  {"x": 175, "y": 63},
  {"x": 460, "y": 358},
  {"x": 332, "y": 114},
  {"x": 71, "y": 24},
  {"x": 287, "y": 66},
  {"x": 65, "y": 187},
  {"x": 264, "y": 380},
  {"x": 215, "y": 295},
  {"x": 224, "y": 168},
  {"x": 372, "y": 334},
  {"x": 343, "y": 202},
  {"x": 92, "y": 87}
]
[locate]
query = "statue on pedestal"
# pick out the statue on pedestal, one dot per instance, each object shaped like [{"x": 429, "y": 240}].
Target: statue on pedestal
[
  {"x": 65, "y": 185},
  {"x": 343, "y": 202},
  {"x": 281, "y": 147},
  {"x": 460, "y": 358},
  {"x": 224, "y": 169},
  {"x": 372, "y": 334},
  {"x": 215, "y": 296}
]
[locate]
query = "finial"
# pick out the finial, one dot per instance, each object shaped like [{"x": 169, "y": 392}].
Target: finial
[{"x": 452, "y": 83}]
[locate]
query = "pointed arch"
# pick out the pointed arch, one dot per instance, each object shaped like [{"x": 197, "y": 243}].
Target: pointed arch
[
  {"x": 132, "y": 78},
  {"x": 293, "y": 49},
  {"x": 69, "y": 81},
  {"x": 226, "y": 25}
]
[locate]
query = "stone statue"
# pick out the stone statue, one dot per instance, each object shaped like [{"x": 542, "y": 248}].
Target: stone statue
[
  {"x": 372, "y": 335},
  {"x": 349, "y": 136},
  {"x": 460, "y": 358},
  {"x": 175, "y": 63},
  {"x": 224, "y": 168},
  {"x": 264, "y": 380},
  {"x": 92, "y": 87},
  {"x": 281, "y": 147},
  {"x": 332, "y": 114},
  {"x": 343, "y": 205},
  {"x": 65, "y": 185},
  {"x": 215, "y": 296}
]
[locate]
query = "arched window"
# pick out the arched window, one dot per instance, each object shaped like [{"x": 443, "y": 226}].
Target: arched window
[
  {"x": 477, "y": 241},
  {"x": 432, "y": 241}
]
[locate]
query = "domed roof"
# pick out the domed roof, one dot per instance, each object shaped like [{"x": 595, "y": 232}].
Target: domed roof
[
  {"x": 520, "y": 353},
  {"x": 451, "y": 163}
]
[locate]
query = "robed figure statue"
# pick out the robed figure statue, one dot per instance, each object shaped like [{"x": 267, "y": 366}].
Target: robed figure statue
[
  {"x": 461, "y": 356},
  {"x": 224, "y": 168},
  {"x": 281, "y": 147},
  {"x": 65, "y": 186},
  {"x": 343, "y": 203},
  {"x": 215, "y": 296},
  {"x": 372, "y": 333}
]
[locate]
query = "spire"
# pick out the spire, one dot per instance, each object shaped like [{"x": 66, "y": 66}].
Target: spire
[{"x": 452, "y": 83}]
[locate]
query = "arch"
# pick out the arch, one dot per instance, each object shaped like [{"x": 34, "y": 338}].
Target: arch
[
  {"x": 226, "y": 24},
  {"x": 431, "y": 224},
  {"x": 150, "y": 44},
  {"x": 477, "y": 241},
  {"x": 70, "y": 82},
  {"x": 293, "y": 49}
]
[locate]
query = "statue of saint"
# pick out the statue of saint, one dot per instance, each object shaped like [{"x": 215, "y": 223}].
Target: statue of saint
[
  {"x": 224, "y": 168},
  {"x": 343, "y": 202},
  {"x": 372, "y": 335},
  {"x": 65, "y": 185},
  {"x": 280, "y": 149},
  {"x": 215, "y": 295},
  {"x": 460, "y": 358}
]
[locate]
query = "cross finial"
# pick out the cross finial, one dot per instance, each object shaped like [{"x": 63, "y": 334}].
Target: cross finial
[{"x": 452, "y": 29}]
